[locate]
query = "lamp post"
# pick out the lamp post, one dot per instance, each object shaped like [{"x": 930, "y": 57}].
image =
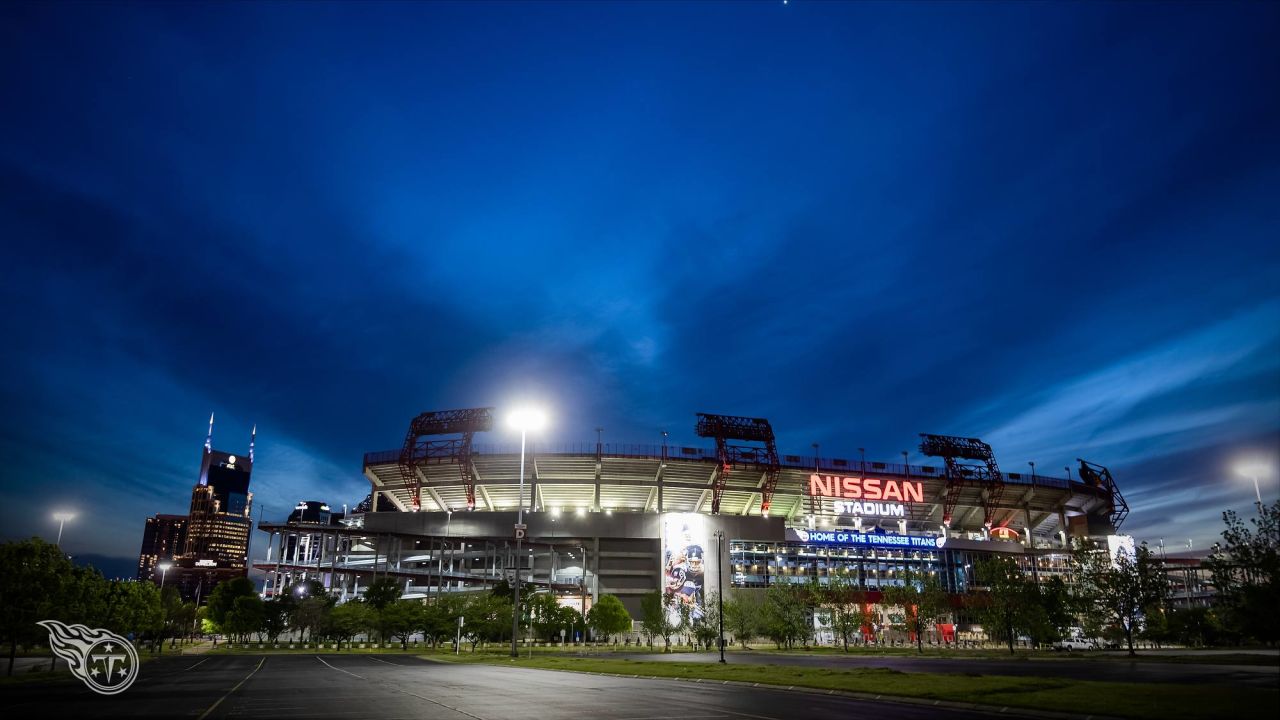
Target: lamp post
[
  {"x": 62, "y": 518},
  {"x": 524, "y": 420},
  {"x": 582, "y": 591},
  {"x": 164, "y": 570},
  {"x": 720, "y": 582}
]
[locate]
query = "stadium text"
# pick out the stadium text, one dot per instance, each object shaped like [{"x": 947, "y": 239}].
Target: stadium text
[{"x": 853, "y": 488}]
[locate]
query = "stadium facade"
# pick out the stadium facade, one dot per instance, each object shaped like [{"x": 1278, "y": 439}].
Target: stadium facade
[{"x": 628, "y": 520}]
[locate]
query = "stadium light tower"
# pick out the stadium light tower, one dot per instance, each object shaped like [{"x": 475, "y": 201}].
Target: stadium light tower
[
  {"x": 62, "y": 518},
  {"x": 523, "y": 420},
  {"x": 1254, "y": 470}
]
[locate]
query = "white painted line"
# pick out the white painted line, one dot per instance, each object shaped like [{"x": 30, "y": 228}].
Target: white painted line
[
  {"x": 339, "y": 669},
  {"x": 214, "y": 706}
]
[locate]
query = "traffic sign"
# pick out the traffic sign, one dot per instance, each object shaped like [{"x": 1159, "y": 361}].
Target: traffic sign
[{"x": 520, "y": 528}]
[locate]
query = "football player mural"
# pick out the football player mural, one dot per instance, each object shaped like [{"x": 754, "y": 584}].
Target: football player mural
[{"x": 684, "y": 539}]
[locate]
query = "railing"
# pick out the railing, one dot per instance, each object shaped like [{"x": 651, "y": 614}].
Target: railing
[{"x": 675, "y": 452}]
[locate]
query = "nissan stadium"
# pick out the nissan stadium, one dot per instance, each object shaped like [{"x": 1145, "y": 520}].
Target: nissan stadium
[{"x": 627, "y": 520}]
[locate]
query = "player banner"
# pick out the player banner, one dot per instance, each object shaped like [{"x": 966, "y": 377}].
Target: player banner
[{"x": 684, "y": 555}]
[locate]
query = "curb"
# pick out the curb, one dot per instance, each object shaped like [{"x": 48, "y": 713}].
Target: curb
[{"x": 1004, "y": 710}]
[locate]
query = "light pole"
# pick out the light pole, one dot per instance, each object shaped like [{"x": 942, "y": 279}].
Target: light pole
[
  {"x": 582, "y": 591},
  {"x": 62, "y": 518},
  {"x": 524, "y": 420},
  {"x": 164, "y": 570},
  {"x": 720, "y": 582}
]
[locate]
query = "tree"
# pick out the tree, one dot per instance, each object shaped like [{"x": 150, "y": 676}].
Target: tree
[
  {"x": 311, "y": 614},
  {"x": 486, "y": 617},
  {"x": 40, "y": 583},
  {"x": 569, "y": 620},
  {"x": 1244, "y": 569},
  {"x": 244, "y": 617},
  {"x": 399, "y": 619},
  {"x": 348, "y": 620},
  {"x": 706, "y": 627},
  {"x": 439, "y": 618},
  {"x": 923, "y": 602},
  {"x": 1001, "y": 609},
  {"x": 783, "y": 617},
  {"x": 1121, "y": 591},
  {"x": 382, "y": 592},
  {"x": 609, "y": 617},
  {"x": 1195, "y": 627},
  {"x": 741, "y": 618},
  {"x": 848, "y": 607},
  {"x": 655, "y": 620},
  {"x": 171, "y": 608},
  {"x": 223, "y": 597},
  {"x": 544, "y": 615},
  {"x": 275, "y": 617}
]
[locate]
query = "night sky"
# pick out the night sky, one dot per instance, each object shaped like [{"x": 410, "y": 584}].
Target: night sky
[{"x": 1051, "y": 226}]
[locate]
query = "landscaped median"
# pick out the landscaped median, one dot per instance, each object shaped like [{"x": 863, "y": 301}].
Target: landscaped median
[{"x": 1156, "y": 701}]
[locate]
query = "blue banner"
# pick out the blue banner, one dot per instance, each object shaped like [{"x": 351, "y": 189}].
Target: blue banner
[{"x": 857, "y": 539}]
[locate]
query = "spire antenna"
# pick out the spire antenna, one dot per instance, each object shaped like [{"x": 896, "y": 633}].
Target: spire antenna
[
  {"x": 253, "y": 435},
  {"x": 208, "y": 439}
]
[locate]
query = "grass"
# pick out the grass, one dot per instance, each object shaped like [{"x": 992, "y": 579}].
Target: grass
[{"x": 1131, "y": 700}]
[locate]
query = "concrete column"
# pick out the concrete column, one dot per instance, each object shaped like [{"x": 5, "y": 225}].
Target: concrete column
[{"x": 595, "y": 573}]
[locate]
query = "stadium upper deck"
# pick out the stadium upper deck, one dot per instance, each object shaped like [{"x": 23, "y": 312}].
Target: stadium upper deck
[{"x": 657, "y": 479}]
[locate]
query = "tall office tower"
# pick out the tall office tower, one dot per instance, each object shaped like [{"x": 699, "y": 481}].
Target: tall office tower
[
  {"x": 219, "y": 523},
  {"x": 163, "y": 539}
]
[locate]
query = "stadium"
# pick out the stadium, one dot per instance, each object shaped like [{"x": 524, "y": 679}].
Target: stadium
[{"x": 628, "y": 520}]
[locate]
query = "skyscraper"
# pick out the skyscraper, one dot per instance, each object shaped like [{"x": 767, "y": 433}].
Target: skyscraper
[
  {"x": 219, "y": 523},
  {"x": 163, "y": 538}
]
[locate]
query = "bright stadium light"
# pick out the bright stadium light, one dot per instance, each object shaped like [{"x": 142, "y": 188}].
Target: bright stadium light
[
  {"x": 62, "y": 517},
  {"x": 1254, "y": 470},
  {"x": 527, "y": 419}
]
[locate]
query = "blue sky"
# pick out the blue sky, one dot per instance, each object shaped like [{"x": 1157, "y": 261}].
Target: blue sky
[{"x": 1048, "y": 225}]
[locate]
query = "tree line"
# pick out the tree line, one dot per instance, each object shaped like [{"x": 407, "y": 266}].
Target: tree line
[
  {"x": 38, "y": 582},
  {"x": 1124, "y": 599},
  {"x": 236, "y": 609}
]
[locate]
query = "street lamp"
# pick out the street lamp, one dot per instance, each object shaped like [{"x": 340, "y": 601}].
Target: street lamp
[
  {"x": 164, "y": 570},
  {"x": 720, "y": 582},
  {"x": 1254, "y": 470},
  {"x": 523, "y": 420},
  {"x": 62, "y": 518}
]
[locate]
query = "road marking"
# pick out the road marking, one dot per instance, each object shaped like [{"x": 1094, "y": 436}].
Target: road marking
[
  {"x": 400, "y": 690},
  {"x": 214, "y": 706},
  {"x": 384, "y": 662},
  {"x": 179, "y": 672},
  {"x": 340, "y": 669}
]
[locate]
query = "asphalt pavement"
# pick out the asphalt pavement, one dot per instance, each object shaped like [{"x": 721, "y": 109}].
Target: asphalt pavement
[
  {"x": 1106, "y": 669},
  {"x": 391, "y": 687}
]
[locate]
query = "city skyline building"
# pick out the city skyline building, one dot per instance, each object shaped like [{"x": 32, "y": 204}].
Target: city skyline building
[
  {"x": 164, "y": 538},
  {"x": 219, "y": 521}
]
